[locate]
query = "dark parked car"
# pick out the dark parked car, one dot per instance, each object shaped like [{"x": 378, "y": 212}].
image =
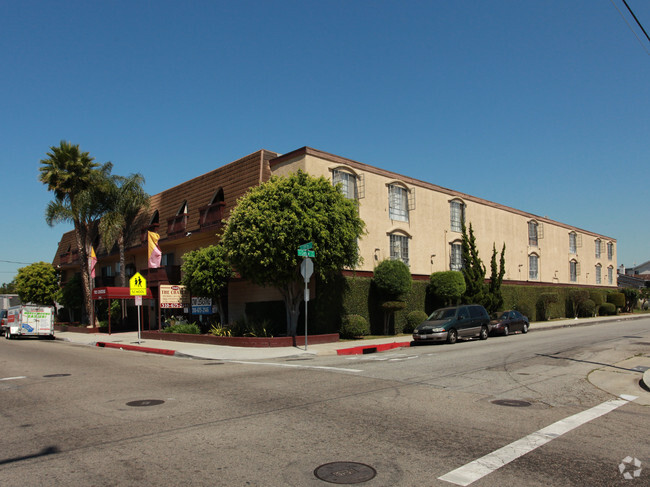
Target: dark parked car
[
  {"x": 450, "y": 324},
  {"x": 508, "y": 322}
]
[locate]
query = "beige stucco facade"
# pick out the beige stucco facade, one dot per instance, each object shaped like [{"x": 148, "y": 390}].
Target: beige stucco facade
[{"x": 560, "y": 253}]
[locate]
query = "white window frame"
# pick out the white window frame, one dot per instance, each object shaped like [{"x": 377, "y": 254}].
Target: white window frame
[
  {"x": 456, "y": 215},
  {"x": 348, "y": 183},
  {"x": 573, "y": 243},
  {"x": 456, "y": 256},
  {"x": 533, "y": 267},
  {"x": 533, "y": 234},
  {"x": 398, "y": 203},
  {"x": 599, "y": 271},
  {"x": 399, "y": 247}
]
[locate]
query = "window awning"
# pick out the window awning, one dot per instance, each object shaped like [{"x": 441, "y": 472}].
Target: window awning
[{"x": 117, "y": 293}]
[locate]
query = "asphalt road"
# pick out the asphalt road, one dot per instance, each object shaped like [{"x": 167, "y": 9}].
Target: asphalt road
[{"x": 77, "y": 415}]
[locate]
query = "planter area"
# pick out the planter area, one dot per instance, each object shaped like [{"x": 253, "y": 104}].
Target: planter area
[{"x": 241, "y": 341}]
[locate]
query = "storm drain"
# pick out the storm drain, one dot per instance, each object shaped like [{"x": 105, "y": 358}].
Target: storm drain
[
  {"x": 345, "y": 473},
  {"x": 144, "y": 403},
  {"x": 57, "y": 375},
  {"x": 513, "y": 403}
]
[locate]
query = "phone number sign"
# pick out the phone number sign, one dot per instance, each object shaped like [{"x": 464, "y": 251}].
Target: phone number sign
[{"x": 174, "y": 296}]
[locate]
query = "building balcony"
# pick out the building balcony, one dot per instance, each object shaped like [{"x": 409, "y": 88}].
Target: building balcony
[
  {"x": 177, "y": 224},
  {"x": 211, "y": 214},
  {"x": 145, "y": 230}
]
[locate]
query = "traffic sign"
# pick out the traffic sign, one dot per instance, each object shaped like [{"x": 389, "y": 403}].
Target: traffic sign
[
  {"x": 307, "y": 246},
  {"x": 307, "y": 268},
  {"x": 138, "y": 285},
  {"x": 306, "y": 253}
]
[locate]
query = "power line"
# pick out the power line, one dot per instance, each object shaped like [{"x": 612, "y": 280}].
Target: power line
[
  {"x": 630, "y": 27},
  {"x": 14, "y": 262}
]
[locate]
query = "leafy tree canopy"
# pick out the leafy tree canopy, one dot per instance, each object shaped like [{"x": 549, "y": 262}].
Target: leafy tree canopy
[
  {"x": 392, "y": 278},
  {"x": 448, "y": 285},
  {"x": 38, "y": 283},
  {"x": 272, "y": 220}
]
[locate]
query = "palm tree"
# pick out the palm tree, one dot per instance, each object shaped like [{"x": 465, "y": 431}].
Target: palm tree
[
  {"x": 126, "y": 199},
  {"x": 79, "y": 186}
]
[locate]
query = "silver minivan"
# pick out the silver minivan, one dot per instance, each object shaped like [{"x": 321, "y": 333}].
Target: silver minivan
[{"x": 450, "y": 324}]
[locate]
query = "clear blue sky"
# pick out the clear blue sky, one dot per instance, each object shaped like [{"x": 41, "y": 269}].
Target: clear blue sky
[{"x": 542, "y": 105}]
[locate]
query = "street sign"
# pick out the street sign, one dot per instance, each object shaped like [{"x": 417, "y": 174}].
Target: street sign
[
  {"x": 306, "y": 253},
  {"x": 137, "y": 285},
  {"x": 307, "y": 246},
  {"x": 307, "y": 268}
]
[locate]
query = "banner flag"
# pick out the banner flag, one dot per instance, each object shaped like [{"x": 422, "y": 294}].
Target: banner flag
[
  {"x": 93, "y": 262},
  {"x": 155, "y": 255}
]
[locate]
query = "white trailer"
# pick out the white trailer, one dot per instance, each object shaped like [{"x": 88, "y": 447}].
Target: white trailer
[{"x": 30, "y": 320}]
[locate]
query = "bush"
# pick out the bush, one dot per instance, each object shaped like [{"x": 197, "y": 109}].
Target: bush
[
  {"x": 189, "y": 328},
  {"x": 597, "y": 297},
  {"x": 413, "y": 319},
  {"x": 392, "y": 278},
  {"x": 449, "y": 286},
  {"x": 545, "y": 302},
  {"x": 587, "y": 308},
  {"x": 617, "y": 299},
  {"x": 354, "y": 326},
  {"x": 607, "y": 309}
]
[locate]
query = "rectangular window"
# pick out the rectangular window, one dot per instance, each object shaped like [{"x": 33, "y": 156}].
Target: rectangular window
[
  {"x": 533, "y": 272},
  {"x": 610, "y": 275},
  {"x": 457, "y": 210},
  {"x": 399, "y": 248},
  {"x": 398, "y": 203},
  {"x": 610, "y": 251},
  {"x": 573, "y": 246},
  {"x": 348, "y": 183},
  {"x": 598, "y": 278},
  {"x": 573, "y": 271},
  {"x": 456, "y": 262},
  {"x": 597, "y": 248},
  {"x": 532, "y": 234}
]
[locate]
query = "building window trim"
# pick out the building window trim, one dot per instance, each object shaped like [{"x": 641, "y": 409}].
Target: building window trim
[
  {"x": 533, "y": 267},
  {"x": 398, "y": 244},
  {"x": 457, "y": 214},
  {"x": 456, "y": 255},
  {"x": 398, "y": 202}
]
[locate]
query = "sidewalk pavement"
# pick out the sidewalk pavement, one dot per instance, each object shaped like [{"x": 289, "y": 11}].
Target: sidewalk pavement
[{"x": 608, "y": 377}]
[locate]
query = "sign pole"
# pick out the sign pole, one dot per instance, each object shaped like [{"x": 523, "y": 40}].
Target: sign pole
[
  {"x": 306, "y": 269},
  {"x": 306, "y": 303}
]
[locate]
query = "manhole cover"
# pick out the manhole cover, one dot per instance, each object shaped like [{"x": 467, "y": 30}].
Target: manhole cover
[
  {"x": 145, "y": 403},
  {"x": 57, "y": 375},
  {"x": 514, "y": 403},
  {"x": 345, "y": 472}
]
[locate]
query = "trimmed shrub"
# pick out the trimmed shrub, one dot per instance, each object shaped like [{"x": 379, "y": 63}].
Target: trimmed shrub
[
  {"x": 354, "y": 326},
  {"x": 597, "y": 297},
  {"x": 607, "y": 309},
  {"x": 544, "y": 304},
  {"x": 449, "y": 286},
  {"x": 392, "y": 278},
  {"x": 413, "y": 319},
  {"x": 190, "y": 328},
  {"x": 587, "y": 308},
  {"x": 617, "y": 299}
]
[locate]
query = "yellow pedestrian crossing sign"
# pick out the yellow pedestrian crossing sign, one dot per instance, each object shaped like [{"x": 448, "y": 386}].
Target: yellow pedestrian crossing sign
[{"x": 138, "y": 285}]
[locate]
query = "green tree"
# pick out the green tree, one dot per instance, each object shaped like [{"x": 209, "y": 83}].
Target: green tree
[
  {"x": 72, "y": 296},
  {"x": 473, "y": 269},
  {"x": 79, "y": 186},
  {"x": 8, "y": 288},
  {"x": 38, "y": 283},
  {"x": 449, "y": 286},
  {"x": 206, "y": 273},
  {"x": 494, "y": 301},
  {"x": 631, "y": 298},
  {"x": 125, "y": 201},
  {"x": 577, "y": 298},
  {"x": 393, "y": 281},
  {"x": 272, "y": 220}
]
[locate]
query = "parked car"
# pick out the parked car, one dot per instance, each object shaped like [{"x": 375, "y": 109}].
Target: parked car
[
  {"x": 508, "y": 322},
  {"x": 3, "y": 321},
  {"x": 450, "y": 324}
]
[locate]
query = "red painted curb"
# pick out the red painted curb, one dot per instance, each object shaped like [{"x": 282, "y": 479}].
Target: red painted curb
[
  {"x": 382, "y": 347},
  {"x": 136, "y": 348}
]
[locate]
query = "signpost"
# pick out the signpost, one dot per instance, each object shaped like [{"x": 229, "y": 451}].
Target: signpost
[
  {"x": 138, "y": 288},
  {"x": 306, "y": 269}
]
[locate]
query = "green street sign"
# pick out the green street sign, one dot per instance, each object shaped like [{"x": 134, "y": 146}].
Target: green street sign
[
  {"x": 306, "y": 253},
  {"x": 307, "y": 246}
]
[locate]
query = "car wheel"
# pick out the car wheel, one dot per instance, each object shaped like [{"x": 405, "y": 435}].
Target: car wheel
[
  {"x": 452, "y": 336},
  {"x": 506, "y": 331},
  {"x": 484, "y": 333},
  {"x": 525, "y": 328}
]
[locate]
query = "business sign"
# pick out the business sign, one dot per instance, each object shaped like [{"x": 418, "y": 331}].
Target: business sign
[
  {"x": 201, "y": 306},
  {"x": 174, "y": 296}
]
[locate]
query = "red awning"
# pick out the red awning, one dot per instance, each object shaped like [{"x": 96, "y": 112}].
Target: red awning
[{"x": 117, "y": 293}]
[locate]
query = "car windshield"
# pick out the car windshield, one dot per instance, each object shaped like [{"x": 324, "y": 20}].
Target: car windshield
[
  {"x": 504, "y": 316},
  {"x": 442, "y": 314}
]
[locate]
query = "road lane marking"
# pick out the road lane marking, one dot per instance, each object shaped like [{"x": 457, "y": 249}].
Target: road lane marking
[
  {"x": 478, "y": 469},
  {"x": 295, "y": 366},
  {"x": 14, "y": 378}
]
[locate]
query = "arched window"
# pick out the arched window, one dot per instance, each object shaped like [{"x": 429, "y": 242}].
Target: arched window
[
  {"x": 457, "y": 214},
  {"x": 178, "y": 223},
  {"x": 574, "y": 270},
  {"x": 599, "y": 270},
  {"x": 533, "y": 267},
  {"x": 212, "y": 214},
  {"x": 598, "y": 245},
  {"x": 456, "y": 256},
  {"x": 399, "y": 247}
]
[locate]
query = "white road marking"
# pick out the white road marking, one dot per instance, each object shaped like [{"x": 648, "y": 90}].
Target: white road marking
[
  {"x": 295, "y": 366},
  {"x": 14, "y": 378},
  {"x": 478, "y": 469}
]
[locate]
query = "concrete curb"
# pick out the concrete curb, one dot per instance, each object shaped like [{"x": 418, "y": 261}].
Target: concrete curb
[
  {"x": 646, "y": 379},
  {"x": 380, "y": 347}
]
